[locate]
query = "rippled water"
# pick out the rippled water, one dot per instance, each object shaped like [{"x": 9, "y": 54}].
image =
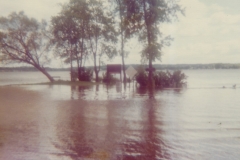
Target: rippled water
[{"x": 113, "y": 122}]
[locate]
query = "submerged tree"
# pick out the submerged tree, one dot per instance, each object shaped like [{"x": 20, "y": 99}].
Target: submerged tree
[
  {"x": 69, "y": 33},
  {"x": 146, "y": 16},
  {"x": 101, "y": 33},
  {"x": 121, "y": 9},
  {"x": 22, "y": 41},
  {"x": 83, "y": 30}
]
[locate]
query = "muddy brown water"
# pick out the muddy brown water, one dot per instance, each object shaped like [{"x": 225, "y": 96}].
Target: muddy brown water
[{"x": 100, "y": 122}]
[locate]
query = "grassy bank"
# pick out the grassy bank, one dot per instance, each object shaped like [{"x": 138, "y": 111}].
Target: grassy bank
[
  {"x": 75, "y": 83},
  {"x": 60, "y": 82}
]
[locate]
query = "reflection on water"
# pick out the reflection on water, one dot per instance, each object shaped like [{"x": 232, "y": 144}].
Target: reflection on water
[
  {"x": 112, "y": 129},
  {"x": 119, "y": 123}
]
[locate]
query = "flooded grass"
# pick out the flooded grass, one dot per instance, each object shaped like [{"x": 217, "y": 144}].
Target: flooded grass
[
  {"x": 69, "y": 83},
  {"x": 67, "y": 122}
]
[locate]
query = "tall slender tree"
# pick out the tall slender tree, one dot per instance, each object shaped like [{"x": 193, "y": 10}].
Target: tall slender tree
[
  {"x": 125, "y": 27},
  {"x": 101, "y": 33},
  {"x": 146, "y": 16},
  {"x": 69, "y": 35},
  {"x": 121, "y": 9},
  {"x": 22, "y": 41}
]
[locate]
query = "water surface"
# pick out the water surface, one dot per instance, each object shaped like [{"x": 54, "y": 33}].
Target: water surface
[{"x": 113, "y": 122}]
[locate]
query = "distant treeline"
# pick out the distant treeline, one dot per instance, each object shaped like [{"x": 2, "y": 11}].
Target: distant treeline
[
  {"x": 29, "y": 69},
  {"x": 198, "y": 66},
  {"x": 156, "y": 66}
]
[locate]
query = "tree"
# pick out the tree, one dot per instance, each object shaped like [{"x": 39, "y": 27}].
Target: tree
[
  {"x": 101, "y": 33},
  {"x": 64, "y": 37},
  {"x": 124, "y": 29},
  {"x": 83, "y": 29},
  {"x": 22, "y": 40},
  {"x": 69, "y": 32},
  {"x": 146, "y": 16}
]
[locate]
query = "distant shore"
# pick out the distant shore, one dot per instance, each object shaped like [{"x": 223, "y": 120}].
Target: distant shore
[{"x": 156, "y": 66}]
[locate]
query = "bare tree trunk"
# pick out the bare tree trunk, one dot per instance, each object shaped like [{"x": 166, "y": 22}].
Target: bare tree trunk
[
  {"x": 122, "y": 40},
  {"x": 78, "y": 69},
  {"x": 71, "y": 64},
  {"x": 123, "y": 63},
  {"x": 150, "y": 73},
  {"x": 95, "y": 67},
  {"x": 79, "y": 61}
]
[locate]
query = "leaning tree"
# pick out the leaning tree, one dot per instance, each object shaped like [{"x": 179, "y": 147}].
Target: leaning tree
[{"x": 22, "y": 40}]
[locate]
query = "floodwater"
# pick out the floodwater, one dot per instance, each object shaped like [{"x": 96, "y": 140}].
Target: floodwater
[{"x": 117, "y": 123}]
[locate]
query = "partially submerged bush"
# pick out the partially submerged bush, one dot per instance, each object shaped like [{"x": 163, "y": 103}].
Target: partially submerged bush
[
  {"x": 109, "y": 78},
  {"x": 86, "y": 75},
  {"x": 178, "y": 79},
  {"x": 162, "y": 79},
  {"x": 142, "y": 77}
]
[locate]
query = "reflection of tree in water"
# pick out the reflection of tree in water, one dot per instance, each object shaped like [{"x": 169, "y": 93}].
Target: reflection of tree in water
[
  {"x": 145, "y": 91},
  {"x": 71, "y": 129},
  {"x": 78, "y": 92},
  {"x": 141, "y": 90},
  {"x": 151, "y": 144},
  {"x": 113, "y": 129}
]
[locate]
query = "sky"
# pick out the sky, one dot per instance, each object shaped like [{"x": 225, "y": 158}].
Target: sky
[{"x": 208, "y": 33}]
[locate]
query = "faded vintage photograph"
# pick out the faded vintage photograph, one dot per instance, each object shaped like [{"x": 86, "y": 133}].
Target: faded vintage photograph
[{"x": 119, "y": 80}]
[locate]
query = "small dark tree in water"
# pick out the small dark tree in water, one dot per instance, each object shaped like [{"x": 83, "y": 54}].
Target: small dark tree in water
[
  {"x": 163, "y": 79},
  {"x": 141, "y": 77},
  {"x": 22, "y": 40}
]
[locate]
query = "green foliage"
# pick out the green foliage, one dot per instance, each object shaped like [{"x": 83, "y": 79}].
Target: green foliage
[
  {"x": 23, "y": 40},
  {"x": 86, "y": 75},
  {"x": 144, "y": 18},
  {"x": 163, "y": 79},
  {"x": 177, "y": 78},
  {"x": 109, "y": 78},
  {"x": 141, "y": 77}
]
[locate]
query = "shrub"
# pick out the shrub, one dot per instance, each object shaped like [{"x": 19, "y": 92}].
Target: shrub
[
  {"x": 86, "y": 75},
  {"x": 162, "y": 79},
  {"x": 142, "y": 78},
  {"x": 109, "y": 78},
  {"x": 178, "y": 78}
]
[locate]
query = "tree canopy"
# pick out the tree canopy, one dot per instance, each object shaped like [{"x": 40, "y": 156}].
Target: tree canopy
[
  {"x": 22, "y": 41},
  {"x": 84, "y": 28},
  {"x": 145, "y": 17},
  {"x": 88, "y": 29}
]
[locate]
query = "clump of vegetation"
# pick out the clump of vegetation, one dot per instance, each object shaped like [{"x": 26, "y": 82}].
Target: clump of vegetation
[
  {"x": 178, "y": 79},
  {"x": 109, "y": 78},
  {"x": 86, "y": 75},
  {"x": 74, "y": 76},
  {"x": 163, "y": 79},
  {"x": 142, "y": 77}
]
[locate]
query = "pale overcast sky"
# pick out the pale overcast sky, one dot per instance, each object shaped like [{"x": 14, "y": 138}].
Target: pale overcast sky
[{"x": 208, "y": 33}]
